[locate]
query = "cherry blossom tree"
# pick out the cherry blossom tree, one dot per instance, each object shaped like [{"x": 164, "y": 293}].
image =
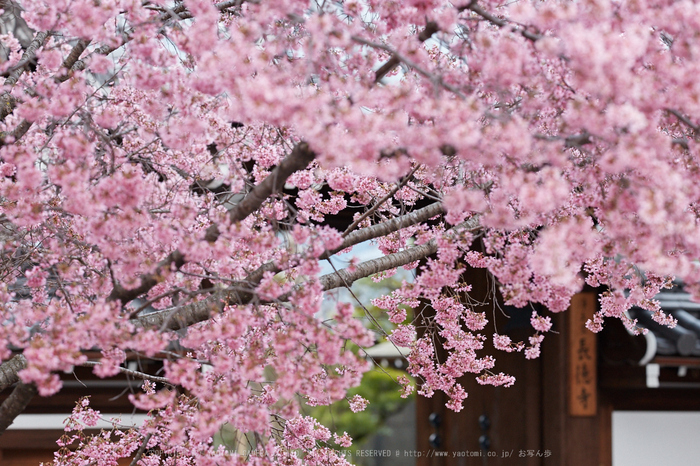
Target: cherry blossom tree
[{"x": 174, "y": 172}]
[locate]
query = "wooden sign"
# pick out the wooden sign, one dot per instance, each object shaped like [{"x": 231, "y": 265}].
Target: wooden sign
[{"x": 583, "y": 400}]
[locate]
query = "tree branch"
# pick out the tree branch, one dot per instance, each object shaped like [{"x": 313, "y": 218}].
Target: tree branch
[
  {"x": 75, "y": 53},
  {"x": 9, "y": 370},
  {"x": 13, "y": 74},
  {"x": 436, "y": 80},
  {"x": 431, "y": 27},
  {"x": 141, "y": 450},
  {"x": 182, "y": 13},
  {"x": 359, "y": 236},
  {"x": 72, "y": 59},
  {"x": 190, "y": 314},
  {"x": 390, "y": 226},
  {"x": 7, "y": 102},
  {"x": 148, "y": 281},
  {"x": 376, "y": 206},
  {"x": 683, "y": 119},
  {"x": 80, "y": 65},
  {"x": 498, "y": 21},
  {"x": 135, "y": 374},
  {"x": 15, "y": 404},
  {"x": 184, "y": 316},
  {"x": 299, "y": 159},
  {"x": 344, "y": 277}
]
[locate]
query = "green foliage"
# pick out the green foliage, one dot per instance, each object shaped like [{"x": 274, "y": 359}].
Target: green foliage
[
  {"x": 366, "y": 289},
  {"x": 379, "y": 386}
]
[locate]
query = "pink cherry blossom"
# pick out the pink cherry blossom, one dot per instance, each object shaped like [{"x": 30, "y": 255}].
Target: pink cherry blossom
[
  {"x": 173, "y": 175},
  {"x": 357, "y": 404}
]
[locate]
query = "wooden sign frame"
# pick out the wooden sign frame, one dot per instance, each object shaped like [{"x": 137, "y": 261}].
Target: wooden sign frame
[{"x": 582, "y": 357}]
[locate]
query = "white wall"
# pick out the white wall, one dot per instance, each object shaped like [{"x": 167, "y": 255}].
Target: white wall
[
  {"x": 655, "y": 438},
  {"x": 57, "y": 421}
]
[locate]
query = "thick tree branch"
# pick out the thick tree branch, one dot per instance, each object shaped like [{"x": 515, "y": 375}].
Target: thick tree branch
[
  {"x": 435, "y": 79},
  {"x": 7, "y": 102},
  {"x": 141, "y": 450},
  {"x": 181, "y": 12},
  {"x": 190, "y": 314},
  {"x": 359, "y": 236},
  {"x": 9, "y": 105},
  {"x": 15, "y": 404},
  {"x": 72, "y": 59},
  {"x": 21, "y": 130},
  {"x": 80, "y": 65},
  {"x": 75, "y": 53},
  {"x": 684, "y": 119},
  {"x": 498, "y": 21},
  {"x": 431, "y": 28},
  {"x": 148, "y": 281},
  {"x": 9, "y": 370},
  {"x": 299, "y": 159},
  {"x": 13, "y": 74},
  {"x": 184, "y": 316},
  {"x": 390, "y": 226},
  {"x": 344, "y": 277}
]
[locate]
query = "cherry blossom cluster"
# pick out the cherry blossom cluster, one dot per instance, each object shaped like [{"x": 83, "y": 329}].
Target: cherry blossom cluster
[{"x": 173, "y": 172}]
